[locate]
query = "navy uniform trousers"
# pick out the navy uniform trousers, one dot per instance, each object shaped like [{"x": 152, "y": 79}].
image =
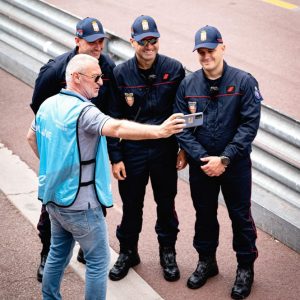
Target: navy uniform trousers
[
  {"x": 44, "y": 228},
  {"x": 235, "y": 185},
  {"x": 143, "y": 160}
]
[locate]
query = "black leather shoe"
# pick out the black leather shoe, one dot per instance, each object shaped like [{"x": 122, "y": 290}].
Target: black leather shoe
[
  {"x": 125, "y": 261},
  {"x": 243, "y": 283},
  {"x": 80, "y": 256},
  {"x": 169, "y": 264},
  {"x": 40, "y": 271},
  {"x": 206, "y": 268}
]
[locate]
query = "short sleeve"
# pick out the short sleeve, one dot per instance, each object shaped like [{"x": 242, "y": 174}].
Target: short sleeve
[{"x": 92, "y": 120}]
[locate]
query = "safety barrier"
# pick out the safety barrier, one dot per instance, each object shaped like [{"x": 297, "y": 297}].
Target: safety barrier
[{"x": 33, "y": 31}]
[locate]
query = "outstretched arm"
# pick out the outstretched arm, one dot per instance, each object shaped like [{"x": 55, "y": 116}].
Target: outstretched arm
[{"x": 135, "y": 131}]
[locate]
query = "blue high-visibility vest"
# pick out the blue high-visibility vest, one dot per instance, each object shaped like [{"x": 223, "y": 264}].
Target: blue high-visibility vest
[{"x": 59, "y": 151}]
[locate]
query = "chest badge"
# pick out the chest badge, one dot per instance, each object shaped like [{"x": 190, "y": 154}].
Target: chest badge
[
  {"x": 192, "y": 106},
  {"x": 129, "y": 98}
]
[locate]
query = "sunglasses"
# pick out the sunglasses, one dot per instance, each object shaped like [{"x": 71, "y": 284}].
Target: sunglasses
[
  {"x": 95, "y": 77},
  {"x": 144, "y": 42}
]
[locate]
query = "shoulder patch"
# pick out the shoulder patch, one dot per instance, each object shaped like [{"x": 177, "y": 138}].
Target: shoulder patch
[{"x": 257, "y": 95}]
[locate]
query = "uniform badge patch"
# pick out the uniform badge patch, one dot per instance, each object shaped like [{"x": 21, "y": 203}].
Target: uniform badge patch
[
  {"x": 129, "y": 98},
  {"x": 230, "y": 89},
  {"x": 166, "y": 76},
  {"x": 192, "y": 106},
  {"x": 145, "y": 25},
  {"x": 203, "y": 36},
  {"x": 95, "y": 26}
]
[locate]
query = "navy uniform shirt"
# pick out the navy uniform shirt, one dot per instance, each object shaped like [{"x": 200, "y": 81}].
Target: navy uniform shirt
[
  {"x": 144, "y": 96},
  {"x": 230, "y": 119},
  {"x": 51, "y": 80}
]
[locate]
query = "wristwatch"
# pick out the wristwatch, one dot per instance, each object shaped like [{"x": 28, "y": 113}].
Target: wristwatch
[{"x": 225, "y": 160}]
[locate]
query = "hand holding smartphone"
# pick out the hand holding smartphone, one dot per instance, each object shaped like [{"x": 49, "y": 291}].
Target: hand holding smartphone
[{"x": 193, "y": 120}]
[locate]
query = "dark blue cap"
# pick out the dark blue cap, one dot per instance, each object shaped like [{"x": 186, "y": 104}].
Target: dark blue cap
[
  {"x": 142, "y": 27},
  {"x": 207, "y": 37},
  {"x": 90, "y": 29}
]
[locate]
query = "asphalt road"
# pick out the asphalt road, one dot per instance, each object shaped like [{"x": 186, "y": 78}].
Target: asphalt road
[
  {"x": 277, "y": 268},
  {"x": 260, "y": 37},
  {"x": 19, "y": 252}
]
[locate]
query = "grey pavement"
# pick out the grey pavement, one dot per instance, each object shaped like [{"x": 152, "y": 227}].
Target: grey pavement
[
  {"x": 19, "y": 251},
  {"x": 260, "y": 37},
  {"x": 277, "y": 269},
  {"x": 18, "y": 196}
]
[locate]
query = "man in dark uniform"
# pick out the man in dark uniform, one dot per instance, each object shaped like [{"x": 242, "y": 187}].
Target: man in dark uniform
[
  {"x": 51, "y": 79},
  {"x": 219, "y": 156},
  {"x": 147, "y": 86}
]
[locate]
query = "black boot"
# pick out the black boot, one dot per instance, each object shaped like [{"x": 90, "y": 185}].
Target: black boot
[
  {"x": 168, "y": 262},
  {"x": 243, "y": 282},
  {"x": 80, "y": 256},
  {"x": 40, "y": 271},
  {"x": 127, "y": 258},
  {"x": 207, "y": 267}
]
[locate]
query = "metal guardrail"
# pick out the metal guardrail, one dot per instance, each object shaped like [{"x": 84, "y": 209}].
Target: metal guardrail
[{"x": 33, "y": 31}]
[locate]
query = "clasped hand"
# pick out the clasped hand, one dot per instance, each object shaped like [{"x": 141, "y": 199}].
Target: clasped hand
[{"x": 213, "y": 166}]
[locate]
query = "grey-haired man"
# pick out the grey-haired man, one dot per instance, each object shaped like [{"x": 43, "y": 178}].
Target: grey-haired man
[{"x": 89, "y": 39}]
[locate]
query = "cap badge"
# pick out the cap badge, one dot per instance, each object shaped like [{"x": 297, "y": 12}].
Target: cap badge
[
  {"x": 145, "y": 25},
  {"x": 95, "y": 26},
  {"x": 203, "y": 36},
  {"x": 192, "y": 106},
  {"x": 129, "y": 98}
]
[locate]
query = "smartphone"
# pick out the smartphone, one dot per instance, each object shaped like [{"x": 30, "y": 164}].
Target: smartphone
[{"x": 193, "y": 120}]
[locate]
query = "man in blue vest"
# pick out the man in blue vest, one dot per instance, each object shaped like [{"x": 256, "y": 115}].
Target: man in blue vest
[
  {"x": 68, "y": 135},
  {"x": 89, "y": 39}
]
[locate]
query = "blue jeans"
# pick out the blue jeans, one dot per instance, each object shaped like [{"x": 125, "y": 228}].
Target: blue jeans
[{"x": 88, "y": 228}]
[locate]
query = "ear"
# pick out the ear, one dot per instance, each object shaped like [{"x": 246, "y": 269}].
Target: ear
[
  {"x": 131, "y": 40},
  {"x": 76, "y": 77},
  {"x": 77, "y": 40}
]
